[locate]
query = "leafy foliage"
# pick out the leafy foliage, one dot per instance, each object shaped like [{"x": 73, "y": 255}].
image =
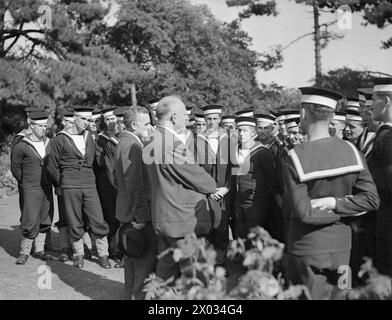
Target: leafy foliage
[
  {"x": 347, "y": 81},
  {"x": 200, "y": 280}
]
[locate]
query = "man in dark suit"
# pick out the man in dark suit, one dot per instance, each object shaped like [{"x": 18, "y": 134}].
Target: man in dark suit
[
  {"x": 179, "y": 186},
  {"x": 133, "y": 203}
]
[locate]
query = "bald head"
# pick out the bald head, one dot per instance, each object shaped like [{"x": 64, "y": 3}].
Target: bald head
[{"x": 171, "y": 110}]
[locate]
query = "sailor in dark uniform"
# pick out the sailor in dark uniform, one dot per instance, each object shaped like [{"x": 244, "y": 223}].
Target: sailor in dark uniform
[
  {"x": 254, "y": 180},
  {"x": 119, "y": 113},
  {"x": 352, "y": 104},
  {"x": 353, "y": 132},
  {"x": 354, "y": 127},
  {"x": 212, "y": 149},
  {"x": 326, "y": 180},
  {"x": 228, "y": 123},
  {"x": 70, "y": 166},
  {"x": 93, "y": 124},
  {"x": 380, "y": 165},
  {"x": 265, "y": 127},
  {"x": 337, "y": 125},
  {"x": 27, "y": 166},
  {"x": 365, "y": 141},
  {"x": 65, "y": 244},
  {"x": 106, "y": 145},
  {"x": 365, "y": 144},
  {"x": 200, "y": 123},
  {"x": 152, "y": 107}
]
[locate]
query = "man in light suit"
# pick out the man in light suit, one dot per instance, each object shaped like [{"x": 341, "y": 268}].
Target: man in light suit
[
  {"x": 180, "y": 186},
  {"x": 133, "y": 202}
]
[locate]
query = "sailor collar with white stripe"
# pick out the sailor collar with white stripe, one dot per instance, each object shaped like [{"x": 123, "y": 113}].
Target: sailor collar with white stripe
[
  {"x": 353, "y": 163},
  {"x": 112, "y": 139},
  {"x": 31, "y": 143}
]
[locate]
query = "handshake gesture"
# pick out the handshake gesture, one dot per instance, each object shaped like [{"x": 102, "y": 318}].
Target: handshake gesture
[{"x": 219, "y": 193}]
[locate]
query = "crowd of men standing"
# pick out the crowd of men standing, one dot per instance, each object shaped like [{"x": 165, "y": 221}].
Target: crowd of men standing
[{"x": 135, "y": 181}]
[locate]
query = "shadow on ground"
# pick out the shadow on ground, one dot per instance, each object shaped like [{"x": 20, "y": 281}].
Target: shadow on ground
[
  {"x": 89, "y": 284},
  {"x": 9, "y": 240}
]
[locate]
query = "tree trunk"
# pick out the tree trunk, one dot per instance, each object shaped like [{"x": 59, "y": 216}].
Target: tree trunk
[
  {"x": 133, "y": 95},
  {"x": 2, "y": 14},
  {"x": 2, "y": 137},
  {"x": 317, "y": 48}
]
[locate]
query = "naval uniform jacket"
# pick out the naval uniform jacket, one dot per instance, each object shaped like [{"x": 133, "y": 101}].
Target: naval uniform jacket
[
  {"x": 67, "y": 166},
  {"x": 380, "y": 165},
  {"x": 27, "y": 165},
  {"x": 256, "y": 182},
  {"x": 328, "y": 167}
]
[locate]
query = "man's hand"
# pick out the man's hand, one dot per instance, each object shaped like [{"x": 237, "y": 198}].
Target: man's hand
[
  {"x": 138, "y": 226},
  {"x": 220, "y": 193},
  {"x": 328, "y": 203}
]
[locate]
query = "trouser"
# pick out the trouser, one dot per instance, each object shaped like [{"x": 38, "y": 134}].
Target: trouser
[
  {"x": 357, "y": 253},
  {"x": 35, "y": 214},
  {"x": 137, "y": 269},
  {"x": 277, "y": 222},
  {"x": 327, "y": 275},
  {"x": 26, "y": 244},
  {"x": 219, "y": 236},
  {"x": 246, "y": 219},
  {"x": 384, "y": 244},
  {"x": 167, "y": 267},
  {"x": 83, "y": 211},
  {"x": 108, "y": 195}
]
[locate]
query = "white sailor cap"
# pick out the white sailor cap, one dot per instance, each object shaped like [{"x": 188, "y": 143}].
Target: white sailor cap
[
  {"x": 245, "y": 121},
  {"x": 365, "y": 95},
  {"x": 265, "y": 118},
  {"x": 320, "y": 96},
  {"x": 68, "y": 116},
  {"x": 291, "y": 124},
  {"x": 352, "y": 115},
  {"x": 38, "y": 117},
  {"x": 352, "y": 104},
  {"x": 212, "y": 109},
  {"x": 228, "y": 119},
  {"x": 189, "y": 111},
  {"x": 382, "y": 85},
  {"x": 154, "y": 102},
  {"x": 339, "y": 116},
  {"x": 83, "y": 111},
  {"x": 199, "y": 117},
  {"x": 249, "y": 112},
  {"x": 109, "y": 111},
  {"x": 291, "y": 115}
]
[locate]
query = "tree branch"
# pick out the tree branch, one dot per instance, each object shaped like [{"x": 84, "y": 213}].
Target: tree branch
[
  {"x": 299, "y": 38},
  {"x": 14, "y": 41},
  {"x": 30, "y": 52}
]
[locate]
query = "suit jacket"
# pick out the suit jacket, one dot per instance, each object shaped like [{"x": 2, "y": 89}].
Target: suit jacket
[
  {"x": 131, "y": 180},
  {"x": 179, "y": 187}
]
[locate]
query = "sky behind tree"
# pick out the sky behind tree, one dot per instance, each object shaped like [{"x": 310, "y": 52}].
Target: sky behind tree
[{"x": 360, "y": 49}]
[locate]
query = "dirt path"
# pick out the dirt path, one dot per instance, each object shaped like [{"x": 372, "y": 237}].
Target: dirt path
[{"x": 66, "y": 281}]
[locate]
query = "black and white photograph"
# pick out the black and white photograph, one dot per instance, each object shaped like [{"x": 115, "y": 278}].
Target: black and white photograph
[{"x": 214, "y": 151}]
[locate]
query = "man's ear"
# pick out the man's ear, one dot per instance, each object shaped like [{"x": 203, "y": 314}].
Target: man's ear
[
  {"x": 388, "y": 101},
  {"x": 302, "y": 113},
  {"x": 173, "y": 118}
]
